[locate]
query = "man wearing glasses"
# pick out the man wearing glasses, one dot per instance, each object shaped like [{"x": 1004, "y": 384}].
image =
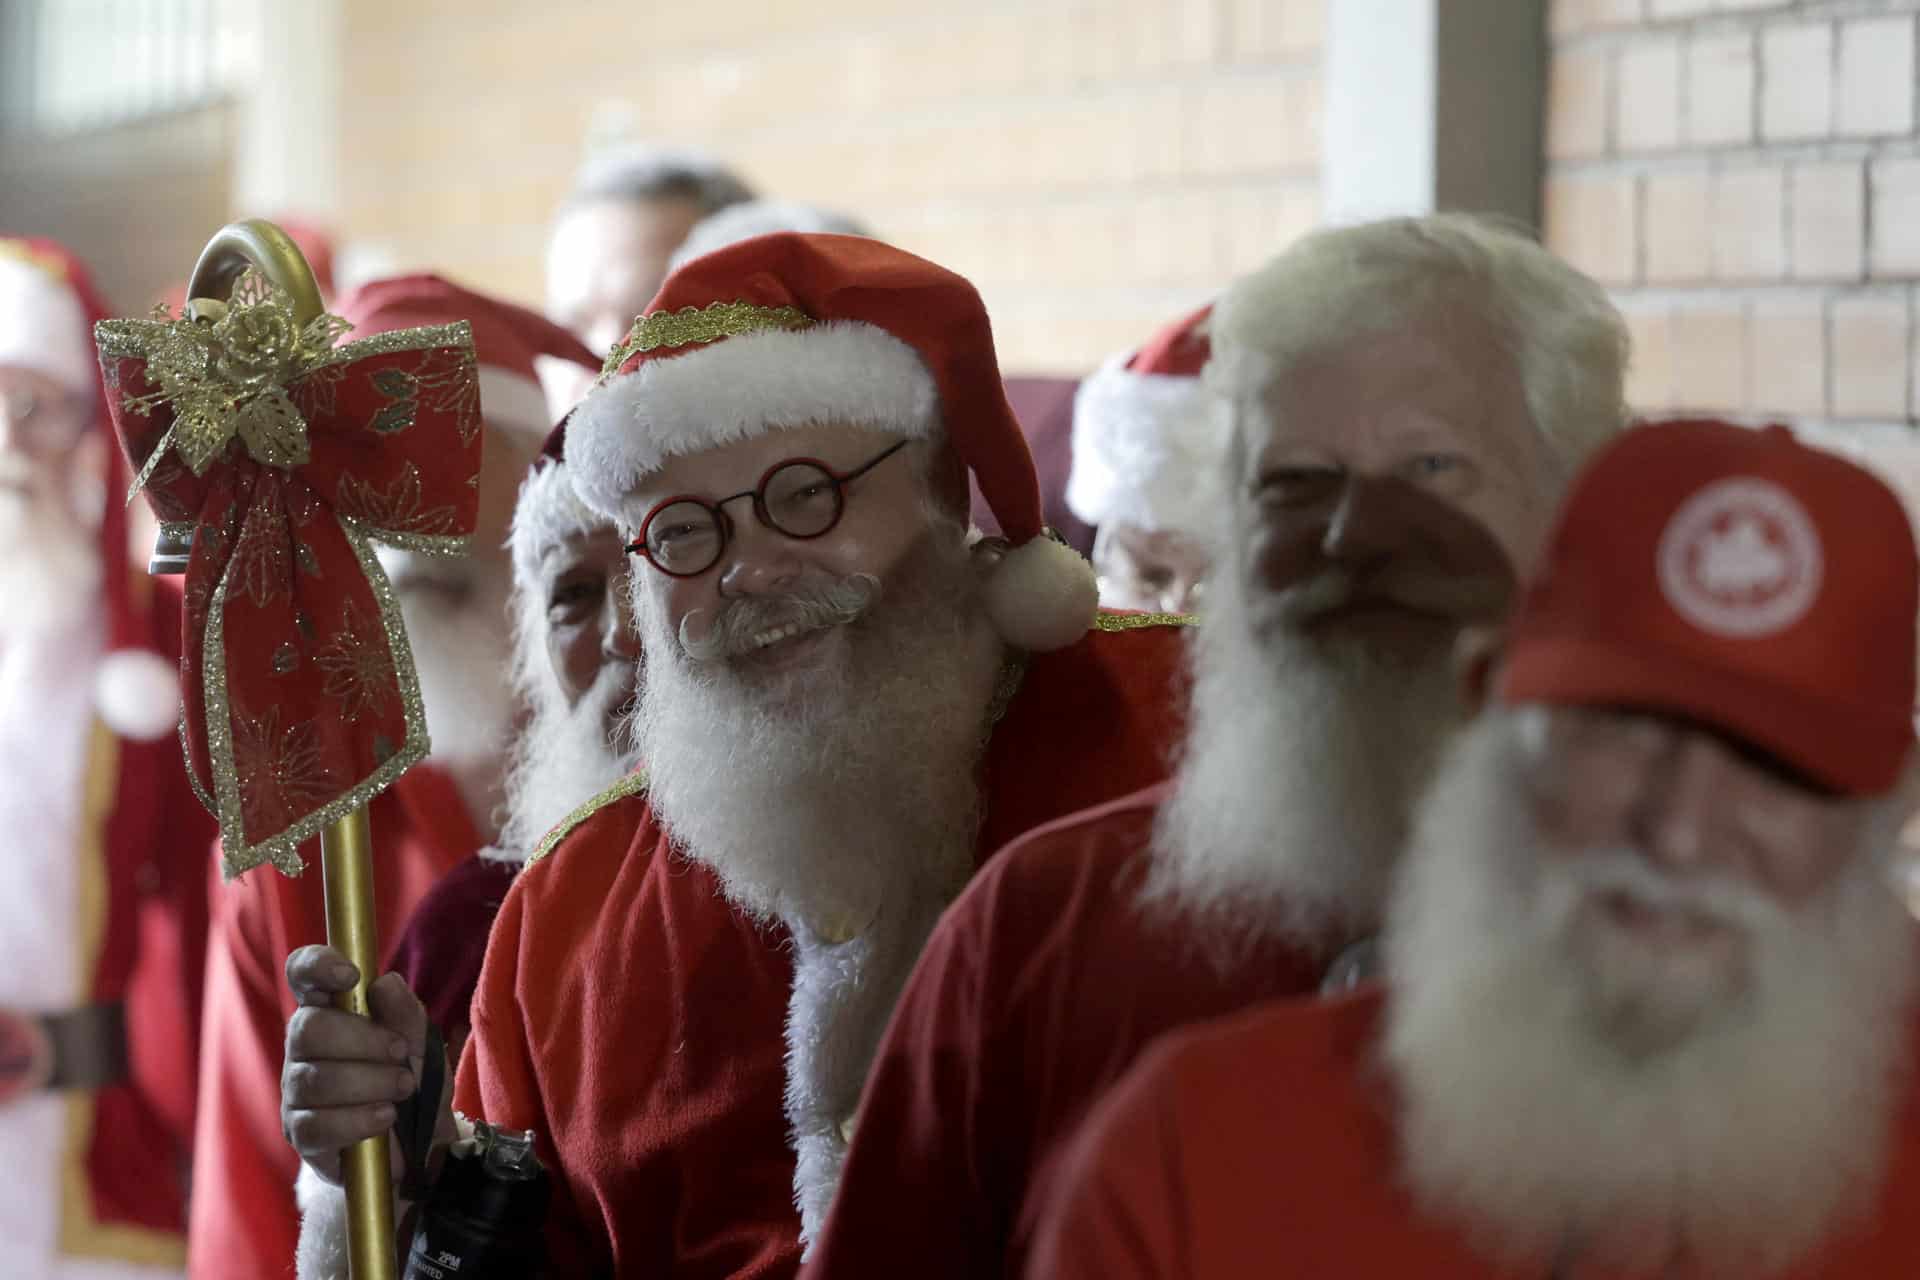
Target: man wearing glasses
[{"x": 850, "y": 703}]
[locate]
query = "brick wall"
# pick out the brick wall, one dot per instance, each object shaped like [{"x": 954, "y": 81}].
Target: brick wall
[
  {"x": 1744, "y": 175},
  {"x": 1095, "y": 167}
]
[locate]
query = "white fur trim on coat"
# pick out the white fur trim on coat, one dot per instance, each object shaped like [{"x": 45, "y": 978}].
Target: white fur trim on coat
[
  {"x": 840, "y": 371},
  {"x": 1148, "y": 449},
  {"x": 322, "y": 1251}
]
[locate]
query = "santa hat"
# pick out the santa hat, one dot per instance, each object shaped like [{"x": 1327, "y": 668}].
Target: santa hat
[
  {"x": 789, "y": 329},
  {"x": 507, "y": 340},
  {"x": 48, "y": 307},
  {"x": 547, "y": 512},
  {"x": 1148, "y": 438}
]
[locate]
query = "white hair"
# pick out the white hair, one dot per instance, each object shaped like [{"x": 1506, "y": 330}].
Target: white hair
[
  {"x": 642, "y": 171},
  {"x": 1566, "y": 338},
  {"x": 752, "y": 218},
  {"x": 1567, "y": 1094}
]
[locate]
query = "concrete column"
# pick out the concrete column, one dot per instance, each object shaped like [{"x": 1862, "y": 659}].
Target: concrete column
[{"x": 1433, "y": 105}]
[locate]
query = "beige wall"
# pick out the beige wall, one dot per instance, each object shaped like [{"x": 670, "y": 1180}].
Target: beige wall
[
  {"x": 1095, "y": 167},
  {"x": 1743, "y": 174}
]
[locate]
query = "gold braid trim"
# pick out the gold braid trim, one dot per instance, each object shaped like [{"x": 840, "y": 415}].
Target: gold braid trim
[
  {"x": 634, "y": 784},
  {"x": 1104, "y": 621},
  {"x": 691, "y": 325}
]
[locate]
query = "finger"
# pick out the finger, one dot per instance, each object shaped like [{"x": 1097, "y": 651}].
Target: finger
[
  {"x": 320, "y": 1136},
  {"x": 309, "y": 1086},
  {"x": 329, "y": 1035},
  {"x": 319, "y": 970},
  {"x": 395, "y": 1007}
]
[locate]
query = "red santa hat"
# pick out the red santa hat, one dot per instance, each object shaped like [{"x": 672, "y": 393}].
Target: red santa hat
[
  {"x": 1148, "y": 438},
  {"x": 48, "y": 307},
  {"x": 789, "y": 329},
  {"x": 507, "y": 340}
]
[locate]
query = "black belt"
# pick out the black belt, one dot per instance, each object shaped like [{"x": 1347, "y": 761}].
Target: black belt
[{"x": 89, "y": 1045}]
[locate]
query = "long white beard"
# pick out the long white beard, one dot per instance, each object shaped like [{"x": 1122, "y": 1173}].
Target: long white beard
[
  {"x": 1602, "y": 1104},
  {"x": 842, "y": 800},
  {"x": 564, "y": 757},
  {"x": 50, "y": 576},
  {"x": 833, "y": 791},
  {"x": 1303, "y": 761}
]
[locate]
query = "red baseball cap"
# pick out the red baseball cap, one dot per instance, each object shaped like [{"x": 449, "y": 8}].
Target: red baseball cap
[{"x": 1738, "y": 578}]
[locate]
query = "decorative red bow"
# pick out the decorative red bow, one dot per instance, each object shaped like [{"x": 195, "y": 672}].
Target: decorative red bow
[{"x": 287, "y": 457}]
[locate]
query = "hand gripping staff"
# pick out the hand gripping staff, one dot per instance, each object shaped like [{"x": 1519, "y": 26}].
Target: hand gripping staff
[{"x": 274, "y": 459}]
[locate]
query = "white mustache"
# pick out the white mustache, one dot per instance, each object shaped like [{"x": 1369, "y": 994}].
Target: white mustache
[
  {"x": 736, "y": 627},
  {"x": 1712, "y": 897}
]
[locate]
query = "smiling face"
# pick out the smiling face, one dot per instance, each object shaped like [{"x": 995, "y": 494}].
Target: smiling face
[
  {"x": 886, "y": 516},
  {"x": 1359, "y": 457},
  {"x": 1683, "y": 844}
]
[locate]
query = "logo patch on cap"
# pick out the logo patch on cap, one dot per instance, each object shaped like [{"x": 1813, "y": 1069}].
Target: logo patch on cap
[{"x": 1741, "y": 558}]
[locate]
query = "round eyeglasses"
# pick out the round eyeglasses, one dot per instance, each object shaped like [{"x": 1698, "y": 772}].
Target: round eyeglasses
[{"x": 801, "y": 498}]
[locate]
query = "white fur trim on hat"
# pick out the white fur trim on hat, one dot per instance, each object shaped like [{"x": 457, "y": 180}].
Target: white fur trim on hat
[
  {"x": 513, "y": 402},
  {"x": 43, "y": 327},
  {"x": 546, "y": 513},
  {"x": 1148, "y": 449},
  {"x": 840, "y": 371}
]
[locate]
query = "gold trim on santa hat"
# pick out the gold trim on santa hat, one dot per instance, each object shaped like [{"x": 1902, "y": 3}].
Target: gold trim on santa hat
[{"x": 691, "y": 326}]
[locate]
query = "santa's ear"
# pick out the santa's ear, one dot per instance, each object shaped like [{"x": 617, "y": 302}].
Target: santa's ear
[{"x": 1476, "y": 658}]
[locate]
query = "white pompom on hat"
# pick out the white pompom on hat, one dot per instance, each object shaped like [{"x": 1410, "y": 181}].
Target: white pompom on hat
[
  {"x": 48, "y": 307},
  {"x": 792, "y": 328}
]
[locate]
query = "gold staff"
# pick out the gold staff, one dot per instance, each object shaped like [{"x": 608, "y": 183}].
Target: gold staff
[{"x": 220, "y": 411}]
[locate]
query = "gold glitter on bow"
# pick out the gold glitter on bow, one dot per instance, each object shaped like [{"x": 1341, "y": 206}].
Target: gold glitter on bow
[
  {"x": 227, "y": 379},
  {"x": 690, "y": 325}
]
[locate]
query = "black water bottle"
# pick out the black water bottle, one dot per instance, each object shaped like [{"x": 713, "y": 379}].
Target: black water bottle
[{"x": 484, "y": 1219}]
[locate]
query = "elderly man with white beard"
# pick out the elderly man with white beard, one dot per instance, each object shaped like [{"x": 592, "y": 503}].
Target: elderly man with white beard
[
  {"x": 575, "y": 663},
  {"x": 849, "y": 702},
  {"x": 103, "y": 922},
  {"x": 1647, "y": 1008},
  {"x": 1408, "y": 399},
  {"x": 245, "y": 1219}
]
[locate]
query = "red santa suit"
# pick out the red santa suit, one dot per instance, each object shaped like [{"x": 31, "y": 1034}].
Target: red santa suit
[
  {"x": 1040, "y": 986},
  {"x": 633, "y": 1019},
  {"x": 1265, "y": 1145},
  {"x": 246, "y": 1219},
  {"x": 101, "y": 931}
]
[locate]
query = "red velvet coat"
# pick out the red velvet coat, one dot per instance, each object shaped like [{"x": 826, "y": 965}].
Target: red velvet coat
[
  {"x": 635, "y": 1020},
  {"x": 1038, "y": 989}
]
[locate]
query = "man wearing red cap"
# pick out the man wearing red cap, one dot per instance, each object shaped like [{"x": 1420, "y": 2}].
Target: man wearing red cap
[
  {"x": 245, "y": 1218},
  {"x": 102, "y": 940},
  {"x": 1149, "y": 441},
  {"x": 848, "y": 704},
  {"x": 1648, "y": 1003},
  {"x": 1407, "y": 399}
]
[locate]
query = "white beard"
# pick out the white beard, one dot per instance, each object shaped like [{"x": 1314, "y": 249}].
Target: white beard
[
  {"x": 51, "y": 574},
  {"x": 564, "y": 757},
  {"x": 1303, "y": 761},
  {"x": 1580, "y": 1098},
  {"x": 840, "y": 799}
]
